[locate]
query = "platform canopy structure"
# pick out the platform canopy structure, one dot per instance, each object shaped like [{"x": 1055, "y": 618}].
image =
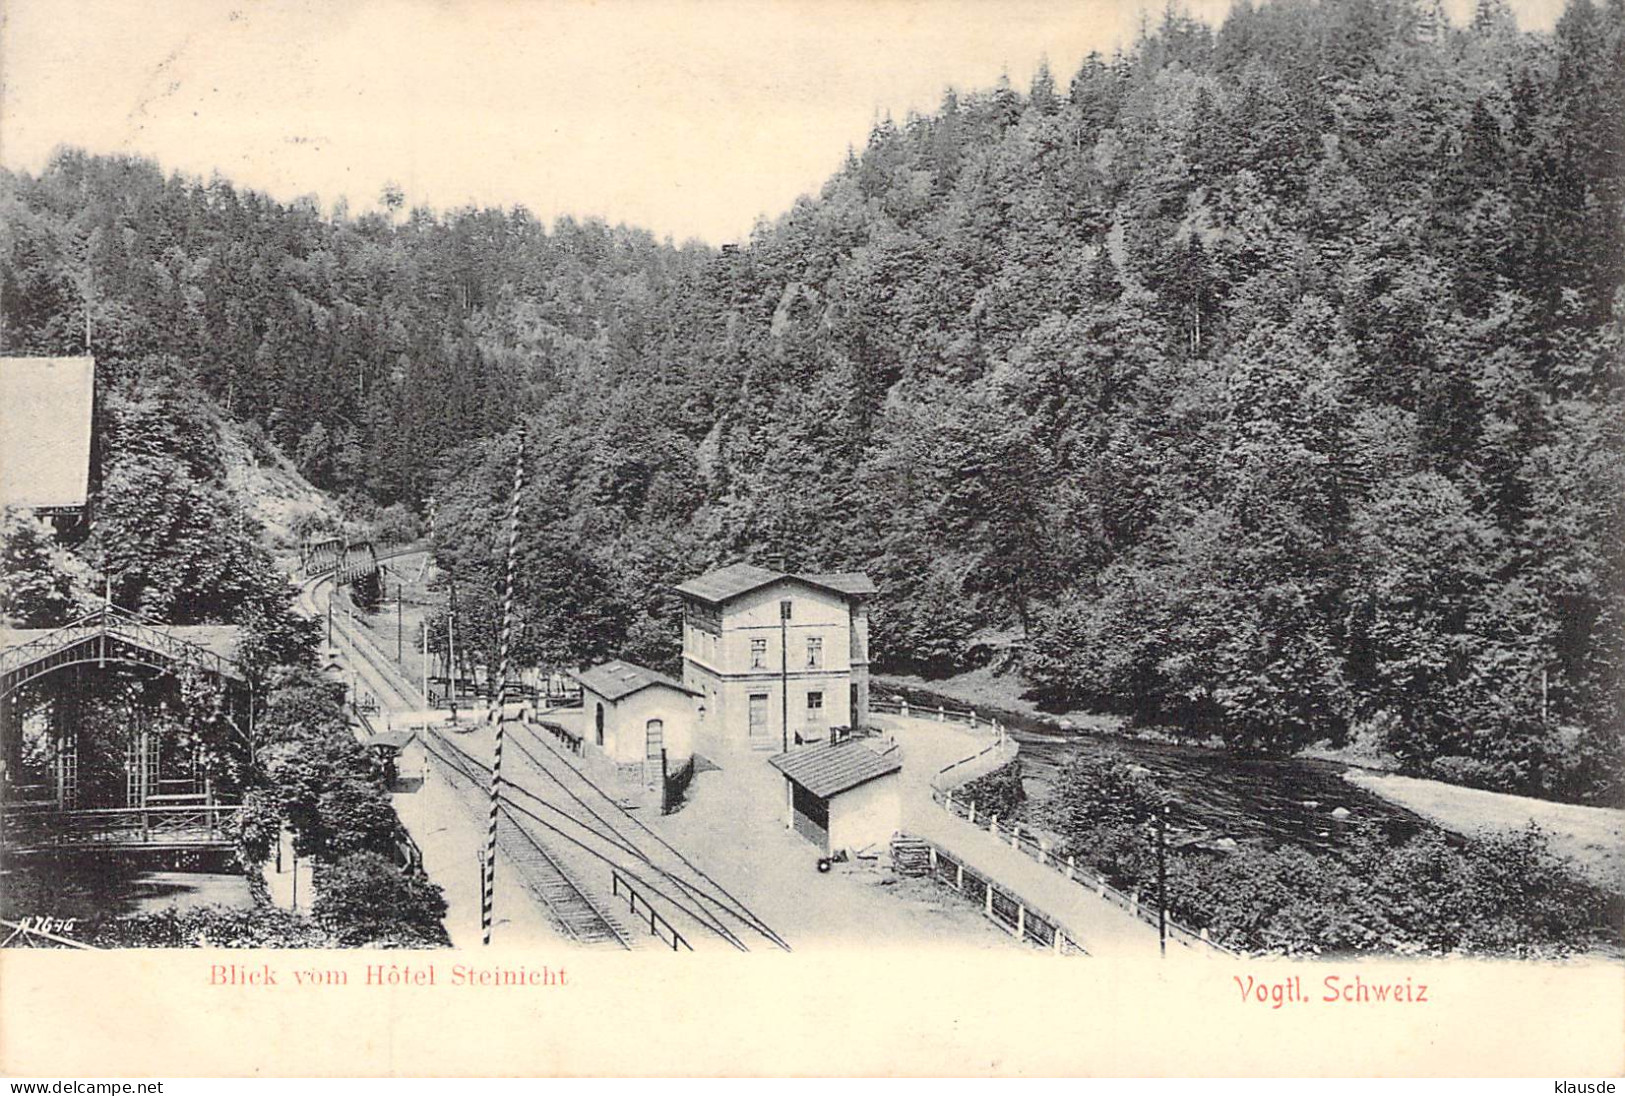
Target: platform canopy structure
[
  {"x": 47, "y": 447},
  {"x": 112, "y": 729}
]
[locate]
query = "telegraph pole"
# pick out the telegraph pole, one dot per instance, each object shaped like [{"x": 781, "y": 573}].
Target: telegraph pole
[
  {"x": 784, "y": 670},
  {"x": 500, "y": 689},
  {"x": 1162, "y": 879},
  {"x": 451, "y": 651}
]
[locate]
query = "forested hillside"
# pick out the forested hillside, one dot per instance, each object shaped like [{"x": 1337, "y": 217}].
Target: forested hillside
[{"x": 1265, "y": 378}]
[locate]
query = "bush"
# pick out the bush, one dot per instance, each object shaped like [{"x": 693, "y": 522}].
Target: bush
[
  {"x": 396, "y": 525},
  {"x": 211, "y": 927},
  {"x": 1090, "y": 792},
  {"x": 1472, "y": 772},
  {"x": 313, "y": 524},
  {"x": 1500, "y": 896},
  {"x": 999, "y": 792},
  {"x": 356, "y": 816},
  {"x": 364, "y": 899},
  {"x": 258, "y": 827},
  {"x": 1427, "y": 895}
]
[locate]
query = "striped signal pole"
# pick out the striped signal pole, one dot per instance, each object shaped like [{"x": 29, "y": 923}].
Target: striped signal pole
[{"x": 506, "y": 666}]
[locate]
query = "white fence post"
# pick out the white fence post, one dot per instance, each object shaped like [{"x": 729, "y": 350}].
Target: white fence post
[
  {"x": 993, "y": 826},
  {"x": 959, "y": 879},
  {"x": 948, "y": 802},
  {"x": 1021, "y": 920},
  {"x": 973, "y": 812},
  {"x": 1071, "y": 867},
  {"x": 1043, "y": 850},
  {"x": 933, "y": 860},
  {"x": 942, "y": 714}
]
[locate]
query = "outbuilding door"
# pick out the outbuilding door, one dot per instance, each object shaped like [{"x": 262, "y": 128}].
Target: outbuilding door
[{"x": 810, "y": 816}]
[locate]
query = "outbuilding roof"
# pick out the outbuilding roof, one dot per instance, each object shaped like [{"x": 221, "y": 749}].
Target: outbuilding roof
[
  {"x": 727, "y": 583},
  {"x": 826, "y": 770},
  {"x": 391, "y": 740},
  {"x": 613, "y": 680},
  {"x": 45, "y": 409}
]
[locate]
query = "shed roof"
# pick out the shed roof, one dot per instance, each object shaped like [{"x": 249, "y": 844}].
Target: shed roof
[
  {"x": 45, "y": 410},
  {"x": 391, "y": 740},
  {"x": 727, "y": 583},
  {"x": 613, "y": 680},
  {"x": 828, "y": 770}
]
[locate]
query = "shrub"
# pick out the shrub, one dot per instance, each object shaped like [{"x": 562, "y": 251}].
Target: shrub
[
  {"x": 313, "y": 524},
  {"x": 208, "y": 926},
  {"x": 999, "y": 792},
  {"x": 364, "y": 899},
  {"x": 257, "y": 826},
  {"x": 1428, "y": 895},
  {"x": 396, "y": 524},
  {"x": 1090, "y": 792}
]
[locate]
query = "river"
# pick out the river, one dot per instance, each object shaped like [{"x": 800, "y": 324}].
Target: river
[{"x": 1217, "y": 794}]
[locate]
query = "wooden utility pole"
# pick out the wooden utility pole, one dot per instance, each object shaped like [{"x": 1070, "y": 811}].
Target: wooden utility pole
[
  {"x": 1162, "y": 879},
  {"x": 784, "y": 670},
  {"x": 451, "y": 651}
]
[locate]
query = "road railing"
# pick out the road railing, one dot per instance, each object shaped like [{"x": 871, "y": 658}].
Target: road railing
[{"x": 1023, "y": 839}]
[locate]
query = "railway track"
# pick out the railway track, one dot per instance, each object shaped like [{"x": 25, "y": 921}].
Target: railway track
[
  {"x": 686, "y": 896},
  {"x": 382, "y": 678},
  {"x": 569, "y": 906},
  {"x": 559, "y": 827},
  {"x": 615, "y": 824}
]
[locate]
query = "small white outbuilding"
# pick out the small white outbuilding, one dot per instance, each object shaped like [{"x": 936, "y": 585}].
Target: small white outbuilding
[
  {"x": 633, "y": 714},
  {"x": 842, "y": 795}
]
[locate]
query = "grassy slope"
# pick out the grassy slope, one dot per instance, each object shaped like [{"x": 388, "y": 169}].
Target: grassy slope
[
  {"x": 269, "y": 485},
  {"x": 1593, "y": 836}
]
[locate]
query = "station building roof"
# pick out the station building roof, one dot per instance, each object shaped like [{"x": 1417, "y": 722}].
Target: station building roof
[
  {"x": 45, "y": 419},
  {"x": 727, "y": 583}
]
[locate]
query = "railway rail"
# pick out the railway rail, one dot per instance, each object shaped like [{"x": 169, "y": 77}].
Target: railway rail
[
  {"x": 569, "y": 904},
  {"x": 689, "y": 896},
  {"x": 555, "y": 820}
]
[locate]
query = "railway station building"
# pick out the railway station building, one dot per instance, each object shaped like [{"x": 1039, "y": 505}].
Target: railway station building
[{"x": 780, "y": 659}]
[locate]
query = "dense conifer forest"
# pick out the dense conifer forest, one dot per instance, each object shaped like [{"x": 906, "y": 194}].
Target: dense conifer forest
[{"x": 1264, "y": 379}]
